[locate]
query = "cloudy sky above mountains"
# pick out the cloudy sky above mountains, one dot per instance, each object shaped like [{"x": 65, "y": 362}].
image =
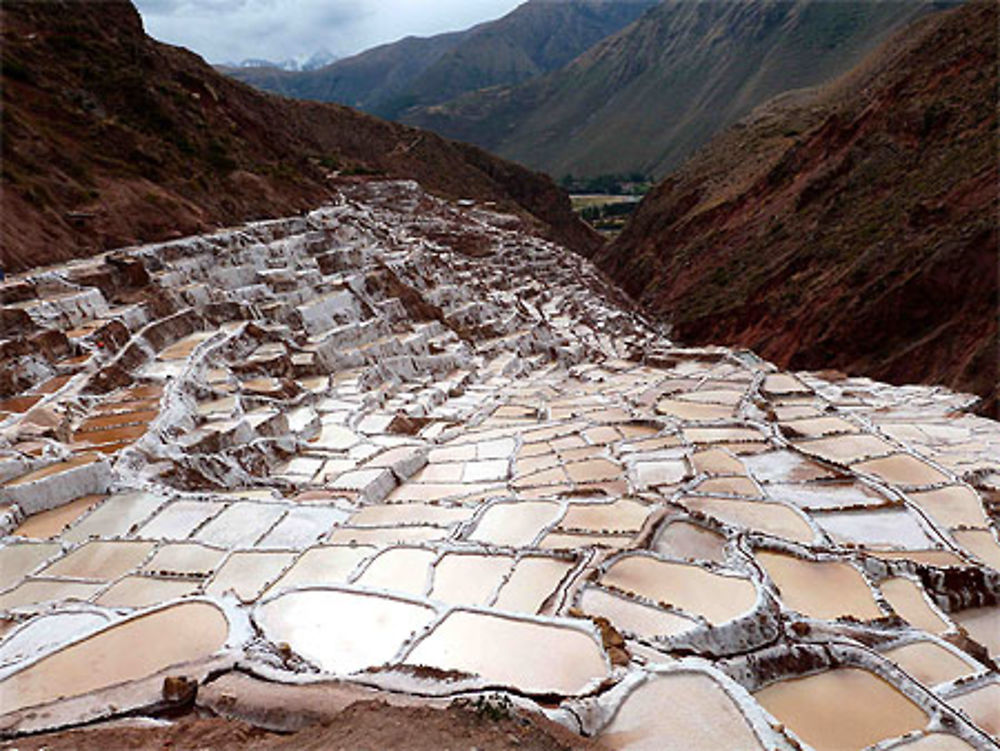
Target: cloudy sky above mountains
[{"x": 234, "y": 30}]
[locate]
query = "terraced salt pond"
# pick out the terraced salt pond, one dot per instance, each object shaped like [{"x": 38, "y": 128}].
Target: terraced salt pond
[
  {"x": 289, "y": 471},
  {"x": 842, "y": 708}
]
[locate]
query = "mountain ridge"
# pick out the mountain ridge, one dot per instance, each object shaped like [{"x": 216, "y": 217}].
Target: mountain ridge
[
  {"x": 536, "y": 37},
  {"x": 648, "y": 96},
  {"x": 112, "y": 138},
  {"x": 849, "y": 227}
]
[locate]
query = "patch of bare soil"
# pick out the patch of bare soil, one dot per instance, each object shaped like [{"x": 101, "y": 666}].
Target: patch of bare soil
[{"x": 363, "y": 726}]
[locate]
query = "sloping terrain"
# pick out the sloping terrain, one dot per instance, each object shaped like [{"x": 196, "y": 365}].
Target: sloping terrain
[
  {"x": 535, "y": 38},
  {"x": 111, "y": 138},
  {"x": 854, "y": 227},
  {"x": 399, "y": 451},
  {"x": 646, "y": 98}
]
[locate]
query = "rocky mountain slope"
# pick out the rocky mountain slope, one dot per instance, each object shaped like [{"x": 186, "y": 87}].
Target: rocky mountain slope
[
  {"x": 852, "y": 227},
  {"x": 112, "y": 138},
  {"x": 537, "y": 37},
  {"x": 646, "y": 98}
]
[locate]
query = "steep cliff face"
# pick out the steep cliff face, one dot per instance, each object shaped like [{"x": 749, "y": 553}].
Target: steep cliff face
[
  {"x": 646, "y": 98},
  {"x": 852, "y": 227},
  {"x": 112, "y": 138}
]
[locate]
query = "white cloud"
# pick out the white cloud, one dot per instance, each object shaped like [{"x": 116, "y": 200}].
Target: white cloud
[{"x": 233, "y": 30}]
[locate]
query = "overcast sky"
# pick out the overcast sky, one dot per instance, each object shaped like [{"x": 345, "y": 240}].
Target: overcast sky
[{"x": 234, "y": 30}]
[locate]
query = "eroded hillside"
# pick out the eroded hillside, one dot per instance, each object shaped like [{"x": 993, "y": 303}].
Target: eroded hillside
[
  {"x": 851, "y": 227},
  {"x": 110, "y": 138}
]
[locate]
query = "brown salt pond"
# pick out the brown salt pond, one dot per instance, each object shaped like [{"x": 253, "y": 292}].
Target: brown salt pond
[
  {"x": 908, "y": 600},
  {"x": 681, "y": 539},
  {"x": 686, "y": 586},
  {"x": 682, "y": 711},
  {"x": 127, "y": 651},
  {"x": 930, "y": 663},
  {"x": 323, "y": 565},
  {"x": 115, "y": 517},
  {"x": 515, "y": 524},
  {"x": 532, "y": 582},
  {"x": 820, "y": 589},
  {"x": 846, "y": 709},
  {"x": 621, "y": 516},
  {"x": 936, "y": 742},
  {"x": 247, "y": 573},
  {"x": 341, "y": 632},
  {"x": 953, "y": 506},
  {"x": 20, "y": 559},
  {"x": 535, "y": 657},
  {"x": 983, "y": 625},
  {"x": 983, "y": 706},
  {"x": 399, "y": 569},
  {"x": 100, "y": 560},
  {"x": 33, "y": 592},
  {"x": 770, "y": 518},
  {"x": 464, "y": 579},
  {"x": 144, "y": 591},
  {"x": 902, "y": 469},
  {"x": 982, "y": 544},
  {"x": 845, "y": 449},
  {"x": 50, "y": 523},
  {"x": 631, "y": 616}
]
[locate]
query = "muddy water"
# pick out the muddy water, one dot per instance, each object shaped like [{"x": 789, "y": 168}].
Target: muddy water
[
  {"x": 771, "y": 518},
  {"x": 468, "y": 579},
  {"x": 908, "y": 600},
  {"x": 902, "y": 469},
  {"x": 36, "y": 591},
  {"x": 399, "y": 569},
  {"x": 50, "y": 523},
  {"x": 983, "y": 625},
  {"x": 535, "y": 657},
  {"x": 633, "y": 616},
  {"x": 531, "y": 583},
  {"x": 981, "y": 543},
  {"x": 341, "y": 632},
  {"x": 115, "y": 516},
  {"x": 248, "y": 573},
  {"x": 620, "y": 516},
  {"x": 983, "y": 706},
  {"x": 689, "y": 587},
  {"x": 841, "y": 710},
  {"x": 515, "y": 524},
  {"x": 930, "y": 663},
  {"x": 125, "y": 652},
  {"x": 323, "y": 565},
  {"x": 679, "y": 712},
  {"x": 682, "y": 539},
  {"x": 143, "y": 591},
  {"x": 100, "y": 560},
  {"x": 826, "y": 589},
  {"x": 18, "y": 560},
  {"x": 952, "y": 506},
  {"x": 936, "y": 742}
]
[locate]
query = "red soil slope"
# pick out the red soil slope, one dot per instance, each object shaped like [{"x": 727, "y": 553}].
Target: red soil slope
[
  {"x": 853, "y": 227},
  {"x": 110, "y": 138}
]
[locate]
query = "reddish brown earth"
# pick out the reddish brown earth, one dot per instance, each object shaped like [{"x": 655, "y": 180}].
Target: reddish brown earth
[
  {"x": 853, "y": 227},
  {"x": 363, "y": 726},
  {"x": 111, "y": 138}
]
